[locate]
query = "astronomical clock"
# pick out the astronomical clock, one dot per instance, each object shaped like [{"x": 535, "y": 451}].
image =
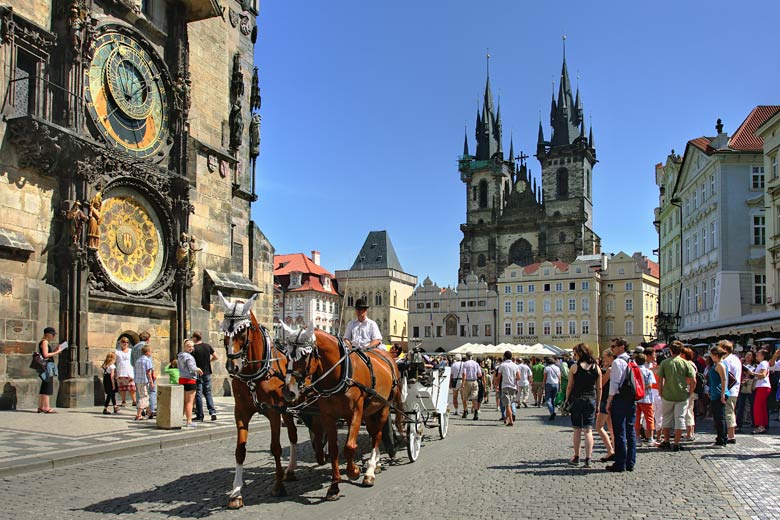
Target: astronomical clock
[{"x": 128, "y": 92}]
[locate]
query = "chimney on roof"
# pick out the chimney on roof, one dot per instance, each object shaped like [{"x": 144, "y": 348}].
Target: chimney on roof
[
  {"x": 315, "y": 257},
  {"x": 722, "y": 141}
]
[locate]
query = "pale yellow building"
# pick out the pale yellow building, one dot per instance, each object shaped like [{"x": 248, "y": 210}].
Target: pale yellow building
[
  {"x": 552, "y": 303},
  {"x": 770, "y": 132},
  {"x": 377, "y": 277},
  {"x": 629, "y": 299}
]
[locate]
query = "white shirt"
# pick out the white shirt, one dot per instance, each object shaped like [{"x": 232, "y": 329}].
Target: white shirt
[
  {"x": 471, "y": 370},
  {"x": 764, "y": 382},
  {"x": 553, "y": 375},
  {"x": 123, "y": 366},
  {"x": 734, "y": 366},
  {"x": 361, "y": 333},
  {"x": 618, "y": 373},
  {"x": 509, "y": 373},
  {"x": 457, "y": 368},
  {"x": 525, "y": 375}
]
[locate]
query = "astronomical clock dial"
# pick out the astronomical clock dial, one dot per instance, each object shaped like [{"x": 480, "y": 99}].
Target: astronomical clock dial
[
  {"x": 131, "y": 246},
  {"x": 126, "y": 94}
]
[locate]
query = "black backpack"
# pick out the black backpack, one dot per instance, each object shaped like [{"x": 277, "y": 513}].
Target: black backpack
[{"x": 699, "y": 383}]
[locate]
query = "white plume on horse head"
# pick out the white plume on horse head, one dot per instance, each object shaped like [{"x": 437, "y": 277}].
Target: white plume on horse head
[
  {"x": 226, "y": 304},
  {"x": 248, "y": 305}
]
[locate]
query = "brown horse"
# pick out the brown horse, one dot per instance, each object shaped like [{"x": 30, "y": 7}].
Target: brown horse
[
  {"x": 258, "y": 376},
  {"x": 347, "y": 389}
]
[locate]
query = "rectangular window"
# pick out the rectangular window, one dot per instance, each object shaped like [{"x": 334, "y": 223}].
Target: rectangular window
[
  {"x": 547, "y": 287},
  {"x": 507, "y": 329},
  {"x": 472, "y": 303},
  {"x": 427, "y": 331},
  {"x": 695, "y": 245},
  {"x": 629, "y": 328},
  {"x": 531, "y": 287},
  {"x": 475, "y": 330},
  {"x": 507, "y": 307},
  {"x": 610, "y": 305},
  {"x": 507, "y": 289},
  {"x": 610, "y": 327},
  {"x": 531, "y": 328},
  {"x": 519, "y": 289},
  {"x": 687, "y": 250},
  {"x": 558, "y": 328},
  {"x": 757, "y": 178},
  {"x": 759, "y": 230},
  {"x": 712, "y": 185},
  {"x": 463, "y": 330},
  {"x": 585, "y": 304},
  {"x": 687, "y": 300},
  {"x": 558, "y": 305},
  {"x": 520, "y": 307},
  {"x": 488, "y": 330},
  {"x": 774, "y": 167},
  {"x": 629, "y": 305},
  {"x": 428, "y": 305},
  {"x": 704, "y": 300},
  {"x": 610, "y": 286},
  {"x": 415, "y": 332},
  {"x": 438, "y": 331},
  {"x": 572, "y": 327},
  {"x": 482, "y": 303},
  {"x": 629, "y": 286},
  {"x": 558, "y": 287},
  {"x": 573, "y": 285},
  {"x": 572, "y": 304},
  {"x": 702, "y": 188},
  {"x": 712, "y": 287},
  {"x": 713, "y": 236},
  {"x": 546, "y": 328},
  {"x": 585, "y": 326},
  {"x": 759, "y": 289},
  {"x": 435, "y": 305},
  {"x": 695, "y": 198},
  {"x": 547, "y": 306},
  {"x": 696, "y": 298},
  {"x": 531, "y": 306},
  {"x": 585, "y": 286},
  {"x": 703, "y": 240},
  {"x": 513, "y": 274},
  {"x": 520, "y": 328}
]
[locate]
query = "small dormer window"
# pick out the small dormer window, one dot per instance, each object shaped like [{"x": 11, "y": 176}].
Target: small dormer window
[
  {"x": 326, "y": 283},
  {"x": 295, "y": 280}
]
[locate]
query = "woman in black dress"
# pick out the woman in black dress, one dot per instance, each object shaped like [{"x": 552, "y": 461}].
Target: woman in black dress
[
  {"x": 47, "y": 380},
  {"x": 582, "y": 393}
]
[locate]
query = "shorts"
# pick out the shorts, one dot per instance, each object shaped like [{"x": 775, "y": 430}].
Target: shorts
[
  {"x": 731, "y": 416},
  {"x": 582, "y": 411},
  {"x": 508, "y": 395},
  {"x": 537, "y": 388},
  {"x": 470, "y": 390},
  {"x": 690, "y": 419},
  {"x": 143, "y": 395},
  {"x": 674, "y": 413},
  {"x": 603, "y": 408},
  {"x": 480, "y": 391}
]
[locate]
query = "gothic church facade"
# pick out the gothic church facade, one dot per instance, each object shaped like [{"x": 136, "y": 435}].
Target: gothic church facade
[{"x": 512, "y": 219}]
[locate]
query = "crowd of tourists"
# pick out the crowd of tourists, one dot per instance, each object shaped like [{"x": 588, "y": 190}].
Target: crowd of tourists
[{"x": 631, "y": 397}]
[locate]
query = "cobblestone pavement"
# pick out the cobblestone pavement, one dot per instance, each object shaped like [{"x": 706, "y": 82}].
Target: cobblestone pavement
[{"x": 481, "y": 470}]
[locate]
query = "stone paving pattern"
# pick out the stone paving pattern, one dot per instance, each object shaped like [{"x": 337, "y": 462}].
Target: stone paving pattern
[{"x": 481, "y": 470}]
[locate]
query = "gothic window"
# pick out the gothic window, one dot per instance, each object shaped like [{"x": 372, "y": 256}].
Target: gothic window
[
  {"x": 521, "y": 253},
  {"x": 451, "y": 325},
  {"x": 483, "y": 194},
  {"x": 562, "y": 183},
  {"x": 378, "y": 299},
  {"x": 481, "y": 261},
  {"x": 350, "y": 300},
  {"x": 395, "y": 298}
]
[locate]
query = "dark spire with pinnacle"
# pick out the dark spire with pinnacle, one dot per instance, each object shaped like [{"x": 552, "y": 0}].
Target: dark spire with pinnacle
[
  {"x": 590, "y": 138},
  {"x": 488, "y": 130},
  {"x": 540, "y": 142},
  {"x": 511, "y": 147},
  {"x": 567, "y": 111},
  {"x": 465, "y": 142}
]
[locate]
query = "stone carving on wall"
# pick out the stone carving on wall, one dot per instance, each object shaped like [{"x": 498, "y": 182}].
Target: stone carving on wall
[
  {"x": 255, "y": 101},
  {"x": 76, "y": 218},
  {"x": 233, "y": 16},
  {"x": 254, "y": 136},
  {"x": 245, "y": 24},
  {"x": 236, "y": 93},
  {"x": 212, "y": 162},
  {"x": 95, "y": 217}
]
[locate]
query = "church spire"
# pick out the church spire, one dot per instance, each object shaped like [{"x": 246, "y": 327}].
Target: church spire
[
  {"x": 566, "y": 111},
  {"x": 488, "y": 130},
  {"x": 511, "y": 147},
  {"x": 465, "y": 142}
]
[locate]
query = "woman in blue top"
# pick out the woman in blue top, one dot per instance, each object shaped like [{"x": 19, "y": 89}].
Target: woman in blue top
[{"x": 719, "y": 393}]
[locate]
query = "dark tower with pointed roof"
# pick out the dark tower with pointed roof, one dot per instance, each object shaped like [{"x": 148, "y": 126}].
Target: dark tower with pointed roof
[{"x": 567, "y": 162}]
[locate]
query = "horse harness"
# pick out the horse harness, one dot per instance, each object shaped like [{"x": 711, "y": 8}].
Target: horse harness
[{"x": 266, "y": 370}]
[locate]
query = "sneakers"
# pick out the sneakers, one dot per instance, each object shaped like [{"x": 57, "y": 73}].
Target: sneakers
[
  {"x": 525, "y": 405},
  {"x": 587, "y": 463},
  {"x": 575, "y": 461},
  {"x": 213, "y": 417},
  {"x": 465, "y": 413},
  {"x": 552, "y": 417},
  {"x": 666, "y": 445},
  {"x": 476, "y": 416},
  {"x": 731, "y": 441}
]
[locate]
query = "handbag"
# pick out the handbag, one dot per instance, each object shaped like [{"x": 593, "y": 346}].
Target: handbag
[{"x": 38, "y": 362}]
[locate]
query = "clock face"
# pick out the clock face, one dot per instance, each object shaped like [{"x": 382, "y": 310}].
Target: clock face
[
  {"x": 131, "y": 246},
  {"x": 126, "y": 94}
]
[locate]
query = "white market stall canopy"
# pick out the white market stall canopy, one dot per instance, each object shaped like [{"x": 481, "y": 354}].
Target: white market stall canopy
[{"x": 517, "y": 350}]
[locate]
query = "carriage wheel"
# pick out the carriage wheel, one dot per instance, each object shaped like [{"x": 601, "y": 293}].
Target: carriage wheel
[
  {"x": 388, "y": 438},
  {"x": 444, "y": 424},
  {"x": 414, "y": 434}
]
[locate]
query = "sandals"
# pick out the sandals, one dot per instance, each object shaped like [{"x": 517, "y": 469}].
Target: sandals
[
  {"x": 47, "y": 410},
  {"x": 608, "y": 458}
]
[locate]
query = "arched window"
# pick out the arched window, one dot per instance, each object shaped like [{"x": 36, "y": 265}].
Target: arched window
[
  {"x": 521, "y": 253},
  {"x": 481, "y": 261},
  {"x": 483, "y": 194},
  {"x": 395, "y": 327},
  {"x": 363, "y": 296},
  {"x": 350, "y": 300},
  {"x": 370, "y": 298},
  {"x": 395, "y": 298},
  {"x": 378, "y": 299},
  {"x": 562, "y": 183}
]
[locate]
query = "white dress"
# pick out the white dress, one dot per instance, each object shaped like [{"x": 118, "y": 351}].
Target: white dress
[{"x": 123, "y": 366}]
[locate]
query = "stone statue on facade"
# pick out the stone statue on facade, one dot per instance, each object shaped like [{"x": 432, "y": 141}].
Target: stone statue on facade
[
  {"x": 95, "y": 217},
  {"x": 237, "y": 79},
  {"x": 236, "y": 126},
  {"x": 76, "y": 218},
  {"x": 254, "y": 136},
  {"x": 183, "y": 251},
  {"x": 254, "y": 95}
]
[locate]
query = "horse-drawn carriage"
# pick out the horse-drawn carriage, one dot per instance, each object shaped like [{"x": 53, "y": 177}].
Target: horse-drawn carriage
[{"x": 311, "y": 367}]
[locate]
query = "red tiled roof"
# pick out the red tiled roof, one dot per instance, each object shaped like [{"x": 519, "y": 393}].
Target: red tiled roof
[
  {"x": 532, "y": 268},
  {"x": 313, "y": 284},
  {"x": 744, "y": 139},
  {"x": 655, "y": 271},
  {"x": 703, "y": 144},
  {"x": 298, "y": 262}
]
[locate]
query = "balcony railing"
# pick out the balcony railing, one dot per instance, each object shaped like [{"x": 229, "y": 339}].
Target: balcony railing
[{"x": 41, "y": 98}]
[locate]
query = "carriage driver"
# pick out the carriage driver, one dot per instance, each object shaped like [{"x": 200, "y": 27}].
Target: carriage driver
[{"x": 362, "y": 332}]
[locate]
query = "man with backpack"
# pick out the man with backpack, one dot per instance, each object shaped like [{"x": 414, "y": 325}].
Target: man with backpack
[
  {"x": 676, "y": 380},
  {"x": 625, "y": 386}
]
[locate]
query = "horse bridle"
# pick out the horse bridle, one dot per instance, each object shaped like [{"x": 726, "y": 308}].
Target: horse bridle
[
  {"x": 300, "y": 378},
  {"x": 265, "y": 371}
]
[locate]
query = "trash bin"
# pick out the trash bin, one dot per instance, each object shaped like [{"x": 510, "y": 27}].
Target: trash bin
[{"x": 170, "y": 406}]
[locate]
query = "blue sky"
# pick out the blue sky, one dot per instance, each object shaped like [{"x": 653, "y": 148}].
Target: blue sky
[{"x": 364, "y": 107}]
